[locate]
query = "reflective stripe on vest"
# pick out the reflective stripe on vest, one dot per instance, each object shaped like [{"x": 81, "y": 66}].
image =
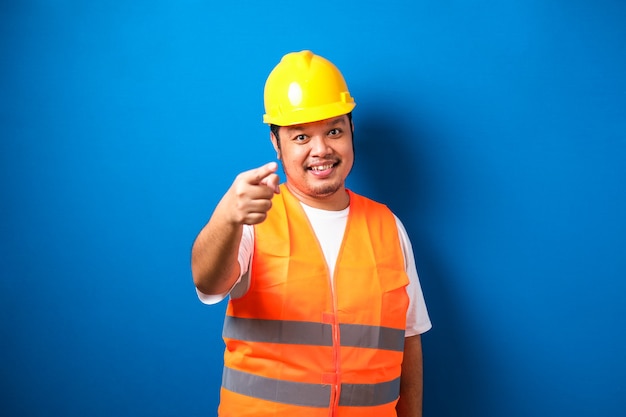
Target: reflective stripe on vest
[
  {"x": 308, "y": 395},
  {"x": 314, "y": 334}
]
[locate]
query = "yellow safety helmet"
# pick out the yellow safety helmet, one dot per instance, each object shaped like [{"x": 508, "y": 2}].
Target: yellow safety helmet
[{"x": 304, "y": 88}]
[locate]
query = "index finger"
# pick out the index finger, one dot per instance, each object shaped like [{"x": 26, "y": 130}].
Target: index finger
[{"x": 257, "y": 175}]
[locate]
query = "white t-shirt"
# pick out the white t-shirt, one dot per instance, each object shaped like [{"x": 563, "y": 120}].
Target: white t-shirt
[{"x": 329, "y": 227}]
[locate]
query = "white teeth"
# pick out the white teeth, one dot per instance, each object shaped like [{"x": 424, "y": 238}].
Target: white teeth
[{"x": 321, "y": 167}]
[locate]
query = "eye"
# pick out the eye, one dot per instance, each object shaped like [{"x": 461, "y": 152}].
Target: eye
[
  {"x": 334, "y": 132},
  {"x": 300, "y": 138}
]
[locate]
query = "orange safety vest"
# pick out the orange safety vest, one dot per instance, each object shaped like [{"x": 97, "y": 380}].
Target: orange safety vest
[{"x": 297, "y": 345}]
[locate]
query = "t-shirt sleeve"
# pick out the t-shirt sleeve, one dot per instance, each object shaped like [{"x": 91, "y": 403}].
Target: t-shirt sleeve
[{"x": 417, "y": 319}]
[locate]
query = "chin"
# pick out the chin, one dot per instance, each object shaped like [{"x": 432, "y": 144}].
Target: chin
[{"x": 325, "y": 190}]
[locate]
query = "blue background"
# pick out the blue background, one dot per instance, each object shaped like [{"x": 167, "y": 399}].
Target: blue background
[{"x": 496, "y": 130}]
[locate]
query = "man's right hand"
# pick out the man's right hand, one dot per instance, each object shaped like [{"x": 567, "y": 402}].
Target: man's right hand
[
  {"x": 250, "y": 196},
  {"x": 214, "y": 253}
]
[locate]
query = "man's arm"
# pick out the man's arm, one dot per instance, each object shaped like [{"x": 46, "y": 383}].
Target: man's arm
[
  {"x": 214, "y": 263},
  {"x": 411, "y": 380}
]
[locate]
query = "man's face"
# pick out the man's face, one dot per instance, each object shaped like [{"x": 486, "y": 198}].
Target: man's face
[{"x": 317, "y": 157}]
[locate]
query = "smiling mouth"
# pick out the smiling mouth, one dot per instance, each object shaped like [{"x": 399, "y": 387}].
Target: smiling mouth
[{"x": 320, "y": 168}]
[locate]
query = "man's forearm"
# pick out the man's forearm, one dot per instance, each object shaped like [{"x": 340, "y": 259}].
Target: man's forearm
[
  {"x": 214, "y": 256},
  {"x": 411, "y": 380}
]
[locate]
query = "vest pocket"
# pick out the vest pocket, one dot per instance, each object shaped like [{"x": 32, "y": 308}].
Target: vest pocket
[{"x": 395, "y": 300}]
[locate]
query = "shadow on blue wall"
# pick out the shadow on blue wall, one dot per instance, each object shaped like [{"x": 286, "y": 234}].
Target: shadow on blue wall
[{"x": 400, "y": 177}]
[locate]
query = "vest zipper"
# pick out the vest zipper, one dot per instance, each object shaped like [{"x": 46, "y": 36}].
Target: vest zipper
[{"x": 334, "y": 406}]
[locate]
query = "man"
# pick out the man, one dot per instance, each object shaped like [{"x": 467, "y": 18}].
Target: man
[{"x": 325, "y": 310}]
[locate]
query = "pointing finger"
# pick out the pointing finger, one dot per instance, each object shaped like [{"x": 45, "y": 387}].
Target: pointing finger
[
  {"x": 259, "y": 174},
  {"x": 272, "y": 181}
]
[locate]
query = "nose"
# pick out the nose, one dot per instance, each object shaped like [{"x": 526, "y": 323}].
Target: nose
[{"x": 320, "y": 146}]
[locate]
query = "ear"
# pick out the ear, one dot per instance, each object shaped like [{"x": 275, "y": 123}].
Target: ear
[{"x": 275, "y": 143}]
